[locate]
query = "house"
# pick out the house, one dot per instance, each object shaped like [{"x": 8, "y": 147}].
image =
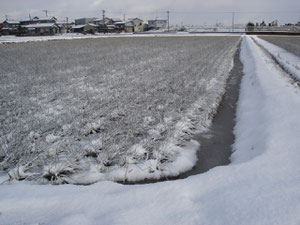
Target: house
[
  {"x": 42, "y": 29},
  {"x": 106, "y": 21},
  {"x": 27, "y": 22},
  {"x": 137, "y": 24},
  {"x": 107, "y": 25},
  {"x": 157, "y": 24},
  {"x": 124, "y": 26},
  {"x": 85, "y": 28},
  {"x": 10, "y": 27},
  {"x": 44, "y": 19},
  {"x": 64, "y": 26},
  {"x": 84, "y": 21}
]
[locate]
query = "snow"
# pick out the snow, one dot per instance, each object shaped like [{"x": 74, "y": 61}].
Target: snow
[
  {"x": 70, "y": 36},
  {"x": 287, "y": 60},
  {"x": 12, "y": 22},
  {"x": 41, "y": 25},
  {"x": 260, "y": 186},
  {"x": 86, "y": 120}
]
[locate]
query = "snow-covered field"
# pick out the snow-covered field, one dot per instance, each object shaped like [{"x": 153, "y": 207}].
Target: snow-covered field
[
  {"x": 76, "y": 36},
  {"x": 291, "y": 44},
  {"x": 260, "y": 186},
  {"x": 287, "y": 60},
  {"x": 80, "y": 111}
]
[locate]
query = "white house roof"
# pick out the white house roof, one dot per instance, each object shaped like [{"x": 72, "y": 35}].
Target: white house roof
[
  {"x": 158, "y": 19},
  {"x": 78, "y": 26},
  {"x": 132, "y": 19},
  {"x": 126, "y": 23},
  {"x": 120, "y": 23},
  {"x": 41, "y": 25},
  {"x": 12, "y": 22},
  {"x": 26, "y": 20},
  {"x": 84, "y": 25},
  {"x": 44, "y": 18}
]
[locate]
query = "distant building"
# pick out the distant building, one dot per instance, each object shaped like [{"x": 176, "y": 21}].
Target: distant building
[
  {"x": 157, "y": 24},
  {"x": 42, "y": 29},
  {"x": 44, "y": 19},
  {"x": 106, "y": 21},
  {"x": 137, "y": 24},
  {"x": 124, "y": 26},
  {"x": 27, "y": 22},
  {"x": 84, "y": 21},
  {"x": 85, "y": 28},
  {"x": 274, "y": 23},
  {"x": 10, "y": 27},
  {"x": 262, "y": 24}
]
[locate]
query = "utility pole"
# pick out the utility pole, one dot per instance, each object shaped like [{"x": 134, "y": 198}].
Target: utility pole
[
  {"x": 46, "y": 11},
  {"x": 103, "y": 15},
  {"x": 6, "y": 17},
  {"x": 29, "y": 17},
  {"x": 233, "y": 21},
  {"x": 67, "y": 20},
  {"x": 124, "y": 17},
  {"x": 168, "y": 12}
]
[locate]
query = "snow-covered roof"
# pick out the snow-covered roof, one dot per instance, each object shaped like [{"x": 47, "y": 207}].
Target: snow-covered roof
[
  {"x": 84, "y": 25},
  {"x": 93, "y": 25},
  {"x": 101, "y": 19},
  {"x": 120, "y": 23},
  {"x": 26, "y": 20},
  {"x": 78, "y": 26},
  {"x": 132, "y": 19},
  {"x": 44, "y": 18},
  {"x": 8, "y": 28},
  {"x": 158, "y": 19},
  {"x": 127, "y": 23},
  {"x": 11, "y": 22},
  {"x": 41, "y": 25}
]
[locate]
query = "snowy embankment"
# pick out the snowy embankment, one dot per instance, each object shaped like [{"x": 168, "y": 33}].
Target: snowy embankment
[
  {"x": 260, "y": 186},
  {"x": 289, "y": 61}
]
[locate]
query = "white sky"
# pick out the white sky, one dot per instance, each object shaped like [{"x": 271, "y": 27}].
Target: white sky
[{"x": 196, "y": 12}]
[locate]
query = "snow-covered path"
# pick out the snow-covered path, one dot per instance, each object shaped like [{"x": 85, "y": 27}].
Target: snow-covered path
[{"x": 261, "y": 186}]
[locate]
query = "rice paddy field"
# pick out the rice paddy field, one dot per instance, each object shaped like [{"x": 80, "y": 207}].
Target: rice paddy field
[
  {"x": 81, "y": 111},
  {"x": 291, "y": 44}
]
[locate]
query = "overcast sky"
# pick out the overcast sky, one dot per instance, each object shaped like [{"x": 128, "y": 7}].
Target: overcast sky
[{"x": 196, "y": 12}]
